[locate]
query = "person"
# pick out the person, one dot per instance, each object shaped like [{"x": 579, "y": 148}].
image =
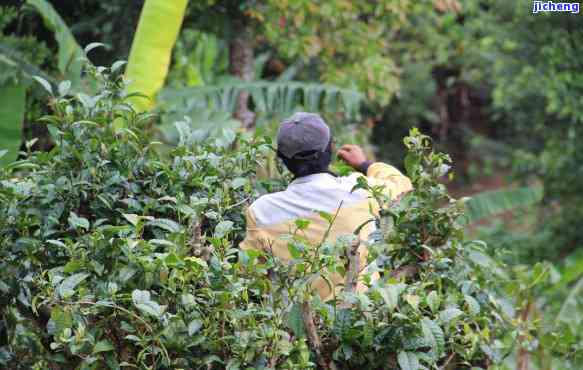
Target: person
[{"x": 304, "y": 144}]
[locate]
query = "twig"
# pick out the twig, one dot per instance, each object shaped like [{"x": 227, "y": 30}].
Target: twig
[
  {"x": 238, "y": 203},
  {"x": 313, "y": 337},
  {"x": 523, "y": 357},
  {"x": 197, "y": 242},
  {"x": 115, "y": 307},
  {"x": 353, "y": 266},
  {"x": 331, "y": 223},
  {"x": 353, "y": 270},
  {"x": 448, "y": 361}
]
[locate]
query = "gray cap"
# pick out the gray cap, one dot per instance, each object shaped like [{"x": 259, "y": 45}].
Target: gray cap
[{"x": 302, "y": 132}]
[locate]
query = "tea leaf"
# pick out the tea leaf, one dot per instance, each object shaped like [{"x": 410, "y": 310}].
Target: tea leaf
[{"x": 67, "y": 286}]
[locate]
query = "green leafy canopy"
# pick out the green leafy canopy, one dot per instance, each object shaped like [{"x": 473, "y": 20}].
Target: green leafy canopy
[{"x": 116, "y": 252}]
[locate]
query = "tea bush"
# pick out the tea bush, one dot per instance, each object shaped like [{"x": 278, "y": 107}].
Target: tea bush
[{"x": 116, "y": 252}]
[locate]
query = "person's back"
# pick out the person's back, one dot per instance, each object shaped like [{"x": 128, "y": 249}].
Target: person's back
[{"x": 304, "y": 144}]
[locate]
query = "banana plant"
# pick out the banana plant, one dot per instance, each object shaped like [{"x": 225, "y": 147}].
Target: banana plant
[
  {"x": 70, "y": 54},
  {"x": 13, "y": 102},
  {"x": 151, "y": 50},
  {"x": 150, "y": 57},
  {"x": 268, "y": 97},
  {"x": 148, "y": 64},
  {"x": 491, "y": 203},
  {"x": 11, "y": 112},
  {"x": 201, "y": 89}
]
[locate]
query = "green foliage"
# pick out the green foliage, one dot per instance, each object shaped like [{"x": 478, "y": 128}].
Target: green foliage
[
  {"x": 151, "y": 51},
  {"x": 93, "y": 234},
  {"x": 534, "y": 78},
  {"x": 18, "y": 54},
  {"x": 113, "y": 254},
  {"x": 19, "y": 58},
  {"x": 549, "y": 321},
  {"x": 104, "y": 228},
  {"x": 11, "y": 116},
  {"x": 70, "y": 57},
  {"x": 553, "y": 65},
  {"x": 209, "y": 108},
  {"x": 350, "y": 53},
  {"x": 271, "y": 98},
  {"x": 198, "y": 59},
  {"x": 491, "y": 203}
]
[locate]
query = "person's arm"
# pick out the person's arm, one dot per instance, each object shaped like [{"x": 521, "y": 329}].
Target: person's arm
[{"x": 378, "y": 173}]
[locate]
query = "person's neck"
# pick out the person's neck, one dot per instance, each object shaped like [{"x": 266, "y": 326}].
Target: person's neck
[{"x": 326, "y": 171}]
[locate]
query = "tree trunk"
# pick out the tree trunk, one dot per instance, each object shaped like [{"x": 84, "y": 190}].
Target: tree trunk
[{"x": 241, "y": 66}]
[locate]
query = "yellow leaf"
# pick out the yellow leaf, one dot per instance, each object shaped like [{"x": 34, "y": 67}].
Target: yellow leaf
[{"x": 157, "y": 31}]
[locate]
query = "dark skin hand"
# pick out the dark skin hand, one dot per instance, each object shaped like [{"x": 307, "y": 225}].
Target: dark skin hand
[{"x": 352, "y": 155}]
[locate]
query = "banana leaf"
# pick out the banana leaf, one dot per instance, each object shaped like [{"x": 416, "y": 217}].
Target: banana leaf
[
  {"x": 12, "y": 101},
  {"x": 491, "y": 203},
  {"x": 70, "y": 53},
  {"x": 275, "y": 97},
  {"x": 151, "y": 50}
]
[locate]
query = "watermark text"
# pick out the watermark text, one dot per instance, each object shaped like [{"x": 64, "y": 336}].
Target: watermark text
[{"x": 549, "y": 6}]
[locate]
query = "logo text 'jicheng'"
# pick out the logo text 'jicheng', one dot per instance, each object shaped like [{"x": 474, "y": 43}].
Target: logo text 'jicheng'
[{"x": 549, "y": 6}]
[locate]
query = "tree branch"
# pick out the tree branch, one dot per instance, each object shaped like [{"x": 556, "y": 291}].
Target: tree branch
[
  {"x": 353, "y": 270},
  {"x": 314, "y": 337},
  {"x": 523, "y": 359}
]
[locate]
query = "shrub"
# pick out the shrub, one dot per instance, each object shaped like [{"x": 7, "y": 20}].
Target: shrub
[{"x": 116, "y": 252}]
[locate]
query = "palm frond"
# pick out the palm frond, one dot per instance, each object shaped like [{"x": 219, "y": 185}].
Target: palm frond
[
  {"x": 572, "y": 306},
  {"x": 491, "y": 203},
  {"x": 70, "y": 53},
  {"x": 12, "y": 58},
  {"x": 267, "y": 97},
  {"x": 12, "y": 105}
]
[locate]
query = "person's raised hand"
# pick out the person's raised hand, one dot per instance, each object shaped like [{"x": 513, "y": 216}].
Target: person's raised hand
[{"x": 353, "y": 155}]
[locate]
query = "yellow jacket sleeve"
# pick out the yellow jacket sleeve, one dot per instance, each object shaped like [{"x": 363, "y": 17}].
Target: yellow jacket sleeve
[
  {"x": 252, "y": 237},
  {"x": 394, "y": 181}
]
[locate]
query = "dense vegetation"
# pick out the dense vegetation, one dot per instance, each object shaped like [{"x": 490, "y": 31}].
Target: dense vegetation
[
  {"x": 116, "y": 255},
  {"x": 119, "y": 228}
]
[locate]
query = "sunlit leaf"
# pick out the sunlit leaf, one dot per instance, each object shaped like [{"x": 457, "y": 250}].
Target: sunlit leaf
[
  {"x": 67, "y": 287},
  {"x": 408, "y": 361}
]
